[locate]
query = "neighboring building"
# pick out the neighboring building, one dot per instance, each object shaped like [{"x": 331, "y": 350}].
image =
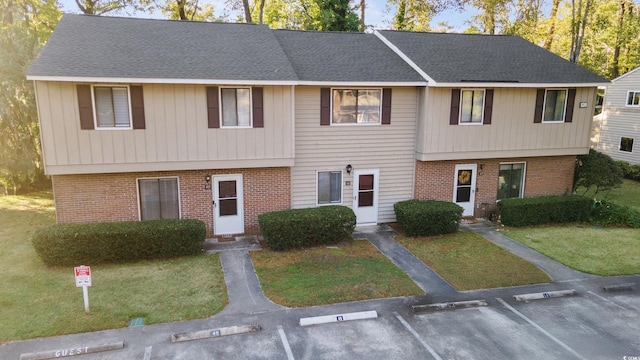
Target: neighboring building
[
  {"x": 144, "y": 119},
  {"x": 617, "y": 128}
]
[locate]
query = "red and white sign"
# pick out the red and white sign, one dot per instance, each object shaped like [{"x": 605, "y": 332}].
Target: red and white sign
[{"x": 83, "y": 275}]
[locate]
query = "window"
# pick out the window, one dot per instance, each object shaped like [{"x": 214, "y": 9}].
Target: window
[
  {"x": 633, "y": 98},
  {"x": 236, "y": 107},
  {"x": 599, "y": 102},
  {"x": 112, "y": 106},
  {"x": 356, "y": 106},
  {"x": 626, "y": 144},
  {"x": 510, "y": 180},
  {"x": 329, "y": 187},
  {"x": 159, "y": 198},
  {"x": 554, "y": 105},
  {"x": 472, "y": 104}
]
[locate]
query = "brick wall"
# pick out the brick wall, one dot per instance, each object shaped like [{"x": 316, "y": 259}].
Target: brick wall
[
  {"x": 113, "y": 197},
  {"x": 552, "y": 175}
]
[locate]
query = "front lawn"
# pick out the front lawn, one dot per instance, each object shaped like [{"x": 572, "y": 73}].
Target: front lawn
[
  {"x": 349, "y": 271},
  {"x": 627, "y": 195},
  {"x": 37, "y": 301},
  {"x": 591, "y": 249},
  {"x": 467, "y": 261}
]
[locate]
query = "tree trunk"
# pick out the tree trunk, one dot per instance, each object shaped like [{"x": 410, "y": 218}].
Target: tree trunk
[
  {"x": 552, "y": 28},
  {"x": 581, "y": 31},
  {"x": 7, "y": 19},
  {"x": 247, "y": 11},
  {"x": 261, "y": 15},
  {"x": 615, "y": 67},
  {"x": 181, "y": 13},
  {"x": 362, "y": 6},
  {"x": 400, "y": 15}
]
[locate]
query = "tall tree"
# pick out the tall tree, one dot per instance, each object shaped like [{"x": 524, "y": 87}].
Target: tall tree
[
  {"x": 552, "y": 27},
  {"x": 579, "y": 19},
  {"x": 101, "y": 7},
  {"x": 416, "y": 15}
]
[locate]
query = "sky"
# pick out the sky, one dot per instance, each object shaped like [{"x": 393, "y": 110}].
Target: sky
[{"x": 378, "y": 13}]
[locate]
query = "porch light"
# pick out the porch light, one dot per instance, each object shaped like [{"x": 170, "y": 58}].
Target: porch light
[
  {"x": 349, "y": 168},
  {"x": 207, "y": 180}
]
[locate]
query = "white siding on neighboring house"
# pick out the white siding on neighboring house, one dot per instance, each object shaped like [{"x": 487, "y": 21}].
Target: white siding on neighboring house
[
  {"x": 512, "y": 132},
  {"x": 618, "y": 120},
  {"x": 176, "y": 136},
  {"x": 389, "y": 148}
]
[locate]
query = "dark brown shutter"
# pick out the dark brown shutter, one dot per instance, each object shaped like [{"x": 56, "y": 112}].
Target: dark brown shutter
[
  {"x": 325, "y": 106},
  {"x": 571, "y": 98},
  {"x": 455, "y": 107},
  {"x": 258, "y": 112},
  {"x": 137, "y": 107},
  {"x": 537, "y": 117},
  {"x": 213, "y": 114},
  {"x": 85, "y": 107},
  {"x": 488, "y": 106},
  {"x": 386, "y": 106}
]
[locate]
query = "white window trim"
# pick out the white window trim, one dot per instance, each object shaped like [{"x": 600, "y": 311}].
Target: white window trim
[
  {"x": 564, "y": 111},
  {"x": 484, "y": 99},
  {"x": 524, "y": 176},
  {"x": 626, "y": 100},
  {"x": 341, "y": 187},
  {"x": 95, "y": 112},
  {"x": 222, "y": 126},
  {"x": 331, "y": 123},
  {"x": 155, "y": 178},
  {"x": 620, "y": 145}
]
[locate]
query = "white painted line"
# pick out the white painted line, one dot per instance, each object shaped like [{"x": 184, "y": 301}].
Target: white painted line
[
  {"x": 76, "y": 350},
  {"x": 147, "y": 353},
  {"x": 539, "y": 328},
  {"x": 545, "y": 295},
  {"x": 211, "y": 333},
  {"x": 338, "y": 318},
  {"x": 285, "y": 343},
  {"x": 417, "y": 336},
  {"x": 606, "y": 300},
  {"x": 450, "y": 305}
]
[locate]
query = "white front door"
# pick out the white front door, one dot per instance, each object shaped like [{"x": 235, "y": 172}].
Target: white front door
[
  {"x": 464, "y": 188},
  {"x": 228, "y": 205},
  {"x": 365, "y": 196}
]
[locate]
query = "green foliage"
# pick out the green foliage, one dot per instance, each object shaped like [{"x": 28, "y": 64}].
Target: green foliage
[
  {"x": 335, "y": 15},
  {"x": 427, "y": 217},
  {"x": 117, "y": 242},
  {"x": 597, "y": 170},
  {"x": 298, "y": 228},
  {"x": 543, "y": 210},
  {"x": 631, "y": 172},
  {"x": 605, "y": 213}
]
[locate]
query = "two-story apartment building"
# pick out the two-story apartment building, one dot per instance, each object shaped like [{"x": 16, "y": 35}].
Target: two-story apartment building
[{"x": 144, "y": 119}]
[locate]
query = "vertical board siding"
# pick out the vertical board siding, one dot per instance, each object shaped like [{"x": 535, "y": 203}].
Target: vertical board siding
[
  {"x": 511, "y": 128},
  {"x": 389, "y": 148},
  {"x": 176, "y": 129}
]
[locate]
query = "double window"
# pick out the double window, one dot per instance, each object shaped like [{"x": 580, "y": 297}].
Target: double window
[
  {"x": 159, "y": 198},
  {"x": 356, "y": 106},
  {"x": 511, "y": 180},
  {"x": 329, "y": 187},
  {"x": 626, "y": 144},
  {"x": 633, "y": 98}
]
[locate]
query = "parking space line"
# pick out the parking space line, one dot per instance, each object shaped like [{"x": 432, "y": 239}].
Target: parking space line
[
  {"x": 147, "y": 353},
  {"x": 606, "y": 300},
  {"x": 417, "y": 336},
  {"x": 285, "y": 343},
  {"x": 539, "y": 328}
]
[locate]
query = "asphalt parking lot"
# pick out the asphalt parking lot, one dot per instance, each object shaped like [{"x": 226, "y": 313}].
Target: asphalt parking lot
[{"x": 591, "y": 325}]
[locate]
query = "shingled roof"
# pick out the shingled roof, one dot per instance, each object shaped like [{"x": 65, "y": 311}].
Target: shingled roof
[{"x": 458, "y": 58}]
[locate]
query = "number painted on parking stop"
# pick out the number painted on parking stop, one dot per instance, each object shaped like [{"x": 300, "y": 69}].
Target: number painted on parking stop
[
  {"x": 451, "y": 306},
  {"x": 546, "y": 295},
  {"x": 71, "y": 352},
  {"x": 215, "y": 333},
  {"x": 340, "y": 318}
]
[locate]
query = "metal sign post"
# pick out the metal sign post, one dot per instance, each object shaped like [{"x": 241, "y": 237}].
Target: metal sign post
[{"x": 83, "y": 279}]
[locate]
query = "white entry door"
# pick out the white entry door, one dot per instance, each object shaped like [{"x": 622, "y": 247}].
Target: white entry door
[
  {"x": 228, "y": 208},
  {"x": 365, "y": 196},
  {"x": 464, "y": 188}
]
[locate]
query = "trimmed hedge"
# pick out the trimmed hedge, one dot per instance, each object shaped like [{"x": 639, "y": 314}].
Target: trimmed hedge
[
  {"x": 299, "y": 228},
  {"x": 116, "y": 242},
  {"x": 542, "y": 210},
  {"x": 604, "y": 213},
  {"x": 427, "y": 217}
]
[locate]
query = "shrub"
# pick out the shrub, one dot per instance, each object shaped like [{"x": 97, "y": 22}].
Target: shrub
[
  {"x": 542, "y": 210},
  {"x": 597, "y": 170},
  {"x": 299, "y": 228},
  {"x": 427, "y": 217},
  {"x": 116, "y": 242},
  {"x": 604, "y": 213},
  {"x": 629, "y": 171}
]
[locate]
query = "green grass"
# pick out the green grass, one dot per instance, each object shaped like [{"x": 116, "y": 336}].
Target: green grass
[
  {"x": 594, "y": 250},
  {"x": 350, "y": 271},
  {"x": 467, "y": 261},
  {"x": 628, "y": 194},
  {"x": 37, "y": 301}
]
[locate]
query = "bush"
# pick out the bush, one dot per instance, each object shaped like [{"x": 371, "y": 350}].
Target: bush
[
  {"x": 597, "y": 170},
  {"x": 542, "y": 210},
  {"x": 299, "y": 228},
  {"x": 604, "y": 213},
  {"x": 116, "y": 242},
  {"x": 629, "y": 171},
  {"x": 427, "y": 217}
]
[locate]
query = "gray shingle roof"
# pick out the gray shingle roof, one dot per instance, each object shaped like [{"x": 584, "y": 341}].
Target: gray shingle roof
[
  {"x": 456, "y": 58},
  {"x": 100, "y": 46},
  {"x": 343, "y": 56}
]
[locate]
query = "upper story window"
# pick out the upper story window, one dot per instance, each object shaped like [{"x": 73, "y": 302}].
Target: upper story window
[
  {"x": 554, "y": 105},
  {"x": 240, "y": 107},
  {"x": 356, "y": 106},
  {"x": 471, "y": 106},
  {"x": 633, "y": 98},
  {"x": 236, "y": 107},
  {"x": 112, "y": 106}
]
